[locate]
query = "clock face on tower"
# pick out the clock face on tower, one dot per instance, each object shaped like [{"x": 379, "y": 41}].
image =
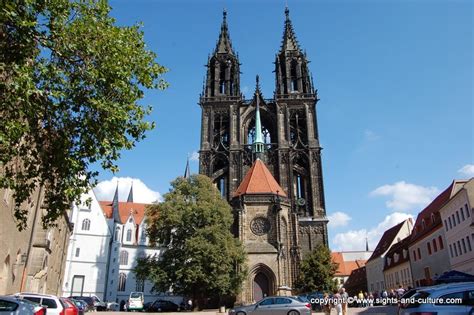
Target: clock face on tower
[{"x": 260, "y": 226}]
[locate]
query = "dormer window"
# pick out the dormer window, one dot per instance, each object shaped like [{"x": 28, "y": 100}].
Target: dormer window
[
  {"x": 405, "y": 253},
  {"x": 129, "y": 235},
  {"x": 395, "y": 257},
  {"x": 130, "y": 220},
  {"x": 423, "y": 223},
  {"x": 432, "y": 218},
  {"x": 388, "y": 261}
]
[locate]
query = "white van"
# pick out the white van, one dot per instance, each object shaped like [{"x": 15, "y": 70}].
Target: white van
[{"x": 135, "y": 301}]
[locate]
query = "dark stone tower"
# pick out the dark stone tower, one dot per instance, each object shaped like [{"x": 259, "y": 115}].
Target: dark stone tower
[{"x": 288, "y": 142}]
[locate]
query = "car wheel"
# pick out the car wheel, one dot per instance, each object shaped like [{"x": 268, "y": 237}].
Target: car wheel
[
  {"x": 293, "y": 313},
  {"x": 158, "y": 309}
]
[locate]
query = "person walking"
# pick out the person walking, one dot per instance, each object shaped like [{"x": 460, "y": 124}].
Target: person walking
[
  {"x": 326, "y": 307},
  {"x": 337, "y": 302},
  {"x": 344, "y": 297}
]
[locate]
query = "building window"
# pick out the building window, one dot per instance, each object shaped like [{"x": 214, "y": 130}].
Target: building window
[
  {"x": 445, "y": 225},
  {"x": 450, "y": 224},
  {"x": 86, "y": 224},
  {"x": 464, "y": 245},
  {"x": 414, "y": 255},
  {"x": 140, "y": 285},
  {"x": 143, "y": 236},
  {"x": 78, "y": 251},
  {"x": 123, "y": 257},
  {"x": 440, "y": 241},
  {"x": 457, "y": 217},
  {"x": 419, "y": 253},
  {"x": 455, "y": 250},
  {"x": 462, "y": 214},
  {"x": 117, "y": 234},
  {"x": 428, "y": 245},
  {"x": 423, "y": 223},
  {"x": 459, "y": 248},
  {"x": 468, "y": 243},
  {"x": 451, "y": 250},
  {"x": 122, "y": 282},
  {"x": 454, "y": 220},
  {"x": 435, "y": 247},
  {"x": 467, "y": 210},
  {"x": 129, "y": 235}
]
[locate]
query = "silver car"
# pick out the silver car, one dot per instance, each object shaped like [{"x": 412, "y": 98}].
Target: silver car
[
  {"x": 274, "y": 305},
  {"x": 446, "y": 299},
  {"x": 10, "y": 305}
]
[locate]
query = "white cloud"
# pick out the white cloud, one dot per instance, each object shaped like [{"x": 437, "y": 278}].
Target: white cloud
[
  {"x": 405, "y": 196},
  {"x": 467, "y": 170},
  {"x": 338, "y": 219},
  {"x": 105, "y": 190},
  {"x": 369, "y": 135},
  {"x": 355, "y": 239},
  {"x": 194, "y": 156}
]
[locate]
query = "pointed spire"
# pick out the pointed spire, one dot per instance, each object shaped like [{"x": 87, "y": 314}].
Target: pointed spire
[
  {"x": 187, "y": 172},
  {"x": 224, "y": 45},
  {"x": 258, "y": 144},
  {"x": 115, "y": 204},
  {"x": 366, "y": 244},
  {"x": 289, "y": 38},
  {"x": 130, "y": 194}
]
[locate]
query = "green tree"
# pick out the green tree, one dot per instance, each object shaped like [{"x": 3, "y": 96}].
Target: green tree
[
  {"x": 201, "y": 258},
  {"x": 317, "y": 271},
  {"x": 70, "y": 80}
]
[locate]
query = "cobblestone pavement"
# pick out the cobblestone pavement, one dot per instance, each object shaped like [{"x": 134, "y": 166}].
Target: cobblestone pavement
[{"x": 376, "y": 310}]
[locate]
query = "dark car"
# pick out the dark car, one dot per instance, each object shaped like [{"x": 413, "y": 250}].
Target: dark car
[
  {"x": 164, "y": 306},
  {"x": 93, "y": 303}
]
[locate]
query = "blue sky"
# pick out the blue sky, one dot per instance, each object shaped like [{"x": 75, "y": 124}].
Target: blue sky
[{"x": 395, "y": 79}]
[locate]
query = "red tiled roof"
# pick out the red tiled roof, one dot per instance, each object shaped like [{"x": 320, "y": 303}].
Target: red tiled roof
[
  {"x": 386, "y": 240},
  {"x": 259, "y": 180},
  {"x": 401, "y": 249},
  {"x": 125, "y": 209},
  {"x": 345, "y": 267},
  {"x": 421, "y": 229}
]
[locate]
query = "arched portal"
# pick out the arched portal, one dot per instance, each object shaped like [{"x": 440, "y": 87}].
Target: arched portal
[
  {"x": 261, "y": 286},
  {"x": 263, "y": 282}
]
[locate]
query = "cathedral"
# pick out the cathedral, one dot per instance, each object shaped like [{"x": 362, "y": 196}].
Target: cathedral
[{"x": 264, "y": 156}]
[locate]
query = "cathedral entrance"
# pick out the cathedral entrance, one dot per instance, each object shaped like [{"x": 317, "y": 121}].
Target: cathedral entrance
[{"x": 261, "y": 286}]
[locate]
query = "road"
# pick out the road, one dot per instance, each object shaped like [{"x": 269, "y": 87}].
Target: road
[{"x": 376, "y": 310}]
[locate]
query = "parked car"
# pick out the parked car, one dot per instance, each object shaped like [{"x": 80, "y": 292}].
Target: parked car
[
  {"x": 163, "y": 306},
  {"x": 436, "y": 300},
  {"x": 69, "y": 307},
  {"x": 81, "y": 306},
  {"x": 113, "y": 306},
  {"x": 11, "y": 305},
  {"x": 53, "y": 304},
  {"x": 275, "y": 305},
  {"x": 135, "y": 301},
  {"x": 93, "y": 302}
]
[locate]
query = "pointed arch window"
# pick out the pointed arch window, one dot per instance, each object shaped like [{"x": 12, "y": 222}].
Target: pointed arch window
[
  {"x": 123, "y": 257},
  {"x": 86, "y": 224},
  {"x": 140, "y": 285},
  {"x": 117, "y": 234},
  {"x": 129, "y": 235},
  {"x": 294, "y": 76},
  {"x": 122, "y": 283}
]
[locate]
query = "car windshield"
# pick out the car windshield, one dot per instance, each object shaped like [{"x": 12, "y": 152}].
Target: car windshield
[
  {"x": 136, "y": 295},
  {"x": 413, "y": 301}
]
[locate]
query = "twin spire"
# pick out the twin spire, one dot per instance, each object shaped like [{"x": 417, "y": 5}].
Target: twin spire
[{"x": 224, "y": 45}]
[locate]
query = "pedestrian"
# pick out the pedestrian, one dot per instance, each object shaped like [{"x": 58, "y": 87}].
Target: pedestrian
[
  {"x": 326, "y": 307},
  {"x": 400, "y": 291},
  {"x": 337, "y": 302},
  {"x": 360, "y": 297},
  {"x": 344, "y": 297},
  {"x": 190, "y": 305}
]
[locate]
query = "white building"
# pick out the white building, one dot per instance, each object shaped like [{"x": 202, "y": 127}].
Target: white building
[
  {"x": 108, "y": 238},
  {"x": 458, "y": 221},
  {"x": 375, "y": 264}
]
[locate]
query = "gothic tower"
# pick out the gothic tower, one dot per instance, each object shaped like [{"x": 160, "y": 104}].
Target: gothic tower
[{"x": 277, "y": 136}]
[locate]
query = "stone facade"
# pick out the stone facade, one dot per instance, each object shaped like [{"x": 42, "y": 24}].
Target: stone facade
[
  {"x": 33, "y": 259},
  {"x": 292, "y": 155}
]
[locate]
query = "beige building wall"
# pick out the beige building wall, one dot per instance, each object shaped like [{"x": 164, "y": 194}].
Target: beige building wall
[
  {"x": 458, "y": 219},
  {"x": 398, "y": 275},
  {"x": 31, "y": 260}
]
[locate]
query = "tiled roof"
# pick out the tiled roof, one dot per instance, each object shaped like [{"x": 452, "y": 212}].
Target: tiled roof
[
  {"x": 356, "y": 282},
  {"x": 345, "y": 267},
  {"x": 386, "y": 240},
  {"x": 259, "y": 180},
  {"x": 400, "y": 250},
  {"x": 429, "y": 218},
  {"x": 125, "y": 209}
]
